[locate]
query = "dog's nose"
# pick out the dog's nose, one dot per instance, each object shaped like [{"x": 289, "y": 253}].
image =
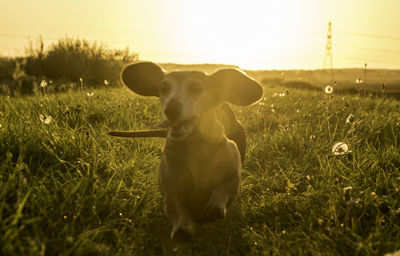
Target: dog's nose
[{"x": 173, "y": 110}]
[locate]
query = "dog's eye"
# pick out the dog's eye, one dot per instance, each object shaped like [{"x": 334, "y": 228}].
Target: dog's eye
[
  {"x": 195, "y": 88},
  {"x": 165, "y": 88}
]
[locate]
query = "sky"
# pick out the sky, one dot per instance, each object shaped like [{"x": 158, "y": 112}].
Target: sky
[{"x": 252, "y": 34}]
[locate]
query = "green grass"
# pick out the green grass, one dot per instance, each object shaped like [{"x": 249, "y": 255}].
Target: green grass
[{"x": 66, "y": 188}]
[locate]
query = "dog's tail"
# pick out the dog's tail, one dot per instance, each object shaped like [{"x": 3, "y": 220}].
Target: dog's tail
[
  {"x": 159, "y": 133},
  {"x": 233, "y": 128}
]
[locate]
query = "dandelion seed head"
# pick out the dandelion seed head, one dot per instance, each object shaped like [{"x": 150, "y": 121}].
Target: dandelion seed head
[
  {"x": 340, "y": 148},
  {"x": 328, "y": 89},
  {"x": 347, "y": 189},
  {"x": 45, "y": 119},
  {"x": 350, "y": 119},
  {"x": 43, "y": 84}
]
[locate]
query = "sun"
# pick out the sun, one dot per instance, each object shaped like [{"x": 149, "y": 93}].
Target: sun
[{"x": 250, "y": 34}]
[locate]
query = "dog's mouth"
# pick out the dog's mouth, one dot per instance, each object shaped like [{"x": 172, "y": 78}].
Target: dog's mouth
[{"x": 180, "y": 128}]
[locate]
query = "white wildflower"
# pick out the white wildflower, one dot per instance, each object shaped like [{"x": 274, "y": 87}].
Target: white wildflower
[
  {"x": 45, "y": 119},
  {"x": 340, "y": 148},
  {"x": 328, "y": 89}
]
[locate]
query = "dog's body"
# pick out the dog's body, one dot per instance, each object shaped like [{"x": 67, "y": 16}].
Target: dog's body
[
  {"x": 199, "y": 173},
  {"x": 199, "y": 177}
]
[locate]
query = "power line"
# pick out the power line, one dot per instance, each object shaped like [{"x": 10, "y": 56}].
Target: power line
[
  {"x": 372, "y": 35},
  {"x": 45, "y": 38},
  {"x": 361, "y": 59},
  {"x": 370, "y": 49}
]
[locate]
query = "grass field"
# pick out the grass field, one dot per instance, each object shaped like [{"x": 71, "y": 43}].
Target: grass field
[{"x": 66, "y": 188}]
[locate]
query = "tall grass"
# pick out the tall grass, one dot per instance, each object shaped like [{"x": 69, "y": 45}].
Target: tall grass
[{"x": 68, "y": 189}]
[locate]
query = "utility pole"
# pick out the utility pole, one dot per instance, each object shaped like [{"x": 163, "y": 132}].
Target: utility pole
[
  {"x": 328, "y": 59},
  {"x": 365, "y": 79}
]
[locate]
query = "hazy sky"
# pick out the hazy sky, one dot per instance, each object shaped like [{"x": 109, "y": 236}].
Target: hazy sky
[{"x": 257, "y": 34}]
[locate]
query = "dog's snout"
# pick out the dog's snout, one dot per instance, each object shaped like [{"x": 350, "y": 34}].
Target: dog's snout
[{"x": 173, "y": 110}]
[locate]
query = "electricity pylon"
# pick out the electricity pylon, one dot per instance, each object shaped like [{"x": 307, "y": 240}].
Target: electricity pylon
[{"x": 328, "y": 59}]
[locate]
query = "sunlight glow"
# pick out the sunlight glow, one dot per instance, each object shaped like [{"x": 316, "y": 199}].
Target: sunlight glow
[
  {"x": 241, "y": 32},
  {"x": 252, "y": 34}
]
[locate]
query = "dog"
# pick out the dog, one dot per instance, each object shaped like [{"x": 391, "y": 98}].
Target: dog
[{"x": 199, "y": 172}]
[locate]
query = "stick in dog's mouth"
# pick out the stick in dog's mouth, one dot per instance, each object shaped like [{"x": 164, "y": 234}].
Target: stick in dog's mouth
[
  {"x": 178, "y": 129},
  {"x": 157, "y": 133}
]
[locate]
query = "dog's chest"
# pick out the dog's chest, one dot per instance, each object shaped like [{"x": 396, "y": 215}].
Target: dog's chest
[
  {"x": 191, "y": 157},
  {"x": 196, "y": 164}
]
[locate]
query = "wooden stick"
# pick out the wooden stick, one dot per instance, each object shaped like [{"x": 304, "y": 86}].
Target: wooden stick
[{"x": 160, "y": 133}]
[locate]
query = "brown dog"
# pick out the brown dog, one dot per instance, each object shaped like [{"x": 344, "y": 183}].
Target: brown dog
[{"x": 199, "y": 173}]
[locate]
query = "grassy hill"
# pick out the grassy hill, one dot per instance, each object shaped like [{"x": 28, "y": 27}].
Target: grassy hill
[{"x": 66, "y": 188}]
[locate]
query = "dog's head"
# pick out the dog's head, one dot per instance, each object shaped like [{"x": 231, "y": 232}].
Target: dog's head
[{"x": 186, "y": 95}]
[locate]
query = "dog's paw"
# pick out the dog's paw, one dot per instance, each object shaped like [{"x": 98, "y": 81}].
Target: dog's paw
[
  {"x": 215, "y": 211},
  {"x": 181, "y": 234}
]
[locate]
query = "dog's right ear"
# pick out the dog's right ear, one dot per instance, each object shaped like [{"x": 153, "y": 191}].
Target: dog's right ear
[{"x": 142, "y": 78}]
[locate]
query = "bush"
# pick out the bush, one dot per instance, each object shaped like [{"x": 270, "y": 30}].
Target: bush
[
  {"x": 7, "y": 66},
  {"x": 73, "y": 59}
]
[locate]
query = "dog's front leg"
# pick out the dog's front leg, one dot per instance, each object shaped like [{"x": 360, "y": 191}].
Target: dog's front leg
[
  {"x": 182, "y": 224},
  {"x": 221, "y": 197}
]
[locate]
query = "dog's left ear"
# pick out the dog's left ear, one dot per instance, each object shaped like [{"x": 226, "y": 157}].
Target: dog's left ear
[
  {"x": 236, "y": 87},
  {"x": 142, "y": 78}
]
